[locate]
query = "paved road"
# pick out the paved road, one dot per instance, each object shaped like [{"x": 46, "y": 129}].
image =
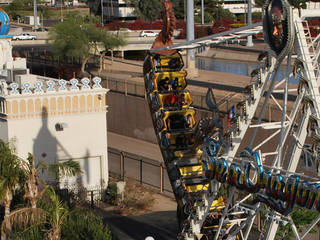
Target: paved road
[
  {"x": 160, "y": 225},
  {"x": 159, "y": 222}
]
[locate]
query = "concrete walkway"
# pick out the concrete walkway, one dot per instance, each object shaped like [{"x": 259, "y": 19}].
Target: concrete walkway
[
  {"x": 134, "y": 146},
  {"x": 132, "y": 70},
  {"x": 159, "y": 222}
]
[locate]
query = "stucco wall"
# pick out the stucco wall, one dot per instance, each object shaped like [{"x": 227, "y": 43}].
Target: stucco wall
[
  {"x": 56, "y": 122},
  {"x": 83, "y": 137}
]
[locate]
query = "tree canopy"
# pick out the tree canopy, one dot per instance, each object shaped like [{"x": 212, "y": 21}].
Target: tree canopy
[
  {"x": 300, "y": 4},
  {"x": 214, "y": 10},
  {"x": 78, "y": 36},
  {"x": 147, "y": 10},
  {"x": 259, "y": 3},
  {"x": 179, "y": 8}
]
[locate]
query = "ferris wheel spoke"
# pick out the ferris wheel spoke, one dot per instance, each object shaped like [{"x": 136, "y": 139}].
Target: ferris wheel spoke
[
  {"x": 299, "y": 138},
  {"x": 264, "y": 106},
  {"x": 225, "y": 211}
]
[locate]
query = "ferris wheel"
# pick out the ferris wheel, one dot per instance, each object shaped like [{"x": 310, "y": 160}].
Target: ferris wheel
[{"x": 222, "y": 189}]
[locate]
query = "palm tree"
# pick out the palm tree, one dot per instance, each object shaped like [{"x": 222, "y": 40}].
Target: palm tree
[
  {"x": 31, "y": 185},
  {"x": 61, "y": 169},
  {"x": 52, "y": 212},
  {"x": 11, "y": 175},
  {"x": 31, "y": 216},
  {"x": 56, "y": 214}
]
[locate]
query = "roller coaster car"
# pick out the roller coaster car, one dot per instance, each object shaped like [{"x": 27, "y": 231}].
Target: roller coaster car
[
  {"x": 171, "y": 101},
  {"x": 191, "y": 171},
  {"x": 177, "y": 141},
  {"x": 212, "y": 221},
  {"x": 175, "y": 121},
  {"x": 218, "y": 205},
  {"x": 163, "y": 63},
  {"x": 165, "y": 81}
]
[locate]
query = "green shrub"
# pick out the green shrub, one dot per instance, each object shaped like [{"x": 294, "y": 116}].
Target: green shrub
[
  {"x": 302, "y": 218},
  {"x": 85, "y": 224},
  {"x": 256, "y": 15},
  {"x": 34, "y": 233},
  {"x": 208, "y": 18},
  {"x": 111, "y": 194}
]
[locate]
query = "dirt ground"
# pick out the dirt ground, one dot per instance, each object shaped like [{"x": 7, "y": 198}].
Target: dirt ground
[{"x": 158, "y": 220}]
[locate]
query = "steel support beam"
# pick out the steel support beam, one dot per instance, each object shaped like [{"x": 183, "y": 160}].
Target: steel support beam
[
  {"x": 191, "y": 59},
  {"x": 35, "y": 14}
]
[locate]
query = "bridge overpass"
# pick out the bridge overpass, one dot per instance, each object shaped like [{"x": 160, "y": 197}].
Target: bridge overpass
[
  {"x": 134, "y": 42},
  {"x": 133, "y": 45}
]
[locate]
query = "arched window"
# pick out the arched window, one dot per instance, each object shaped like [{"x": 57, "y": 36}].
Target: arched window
[
  {"x": 30, "y": 106},
  {"x": 38, "y": 109},
  {"x": 82, "y": 103},
  {"x": 60, "y": 105},
  {"x": 53, "y": 105},
  {"x": 89, "y": 103},
  {"x": 75, "y": 104},
  {"x": 68, "y": 104},
  {"x": 23, "y": 108},
  {"x": 15, "y": 107}
]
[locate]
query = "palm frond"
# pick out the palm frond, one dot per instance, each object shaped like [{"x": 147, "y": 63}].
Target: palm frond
[
  {"x": 23, "y": 218},
  {"x": 11, "y": 170},
  {"x": 57, "y": 211},
  {"x": 65, "y": 169}
]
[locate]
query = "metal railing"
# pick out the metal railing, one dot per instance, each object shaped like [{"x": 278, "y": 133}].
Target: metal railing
[
  {"x": 137, "y": 89},
  {"x": 147, "y": 171}
]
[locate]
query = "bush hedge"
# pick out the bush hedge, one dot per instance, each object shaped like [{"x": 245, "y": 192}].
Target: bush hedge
[
  {"x": 82, "y": 224},
  {"x": 140, "y": 25}
]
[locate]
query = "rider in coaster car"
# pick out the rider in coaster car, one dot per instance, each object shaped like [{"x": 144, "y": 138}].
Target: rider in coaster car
[{"x": 164, "y": 84}]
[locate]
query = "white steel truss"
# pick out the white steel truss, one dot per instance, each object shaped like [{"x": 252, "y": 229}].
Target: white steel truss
[{"x": 292, "y": 129}]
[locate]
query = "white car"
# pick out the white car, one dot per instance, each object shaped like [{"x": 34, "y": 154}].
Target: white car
[
  {"x": 124, "y": 30},
  {"x": 148, "y": 33},
  {"x": 24, "y": 36}
]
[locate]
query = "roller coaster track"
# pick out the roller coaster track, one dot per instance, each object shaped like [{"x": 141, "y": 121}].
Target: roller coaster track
[
  {"x": 214, "y": 39},
  {"x": 199, "y": 156}
]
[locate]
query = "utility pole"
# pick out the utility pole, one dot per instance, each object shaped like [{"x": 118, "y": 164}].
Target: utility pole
[
  {"x": 191, "y": 60},
  {"x": 202, "y": 12},
  {"x": 249, "y": 38},
  {"x": 35, "y": 15},
  {"x": 185, "y": 10},
  {"x": 61, "y": 11},
  {"x": 101, "y": 4}
]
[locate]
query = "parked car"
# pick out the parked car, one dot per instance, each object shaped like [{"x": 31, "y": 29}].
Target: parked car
[
  {"x": 24, "y": 36},
  {"x": 148, "y": 33},
  {"x": 124, "y": 30}
]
